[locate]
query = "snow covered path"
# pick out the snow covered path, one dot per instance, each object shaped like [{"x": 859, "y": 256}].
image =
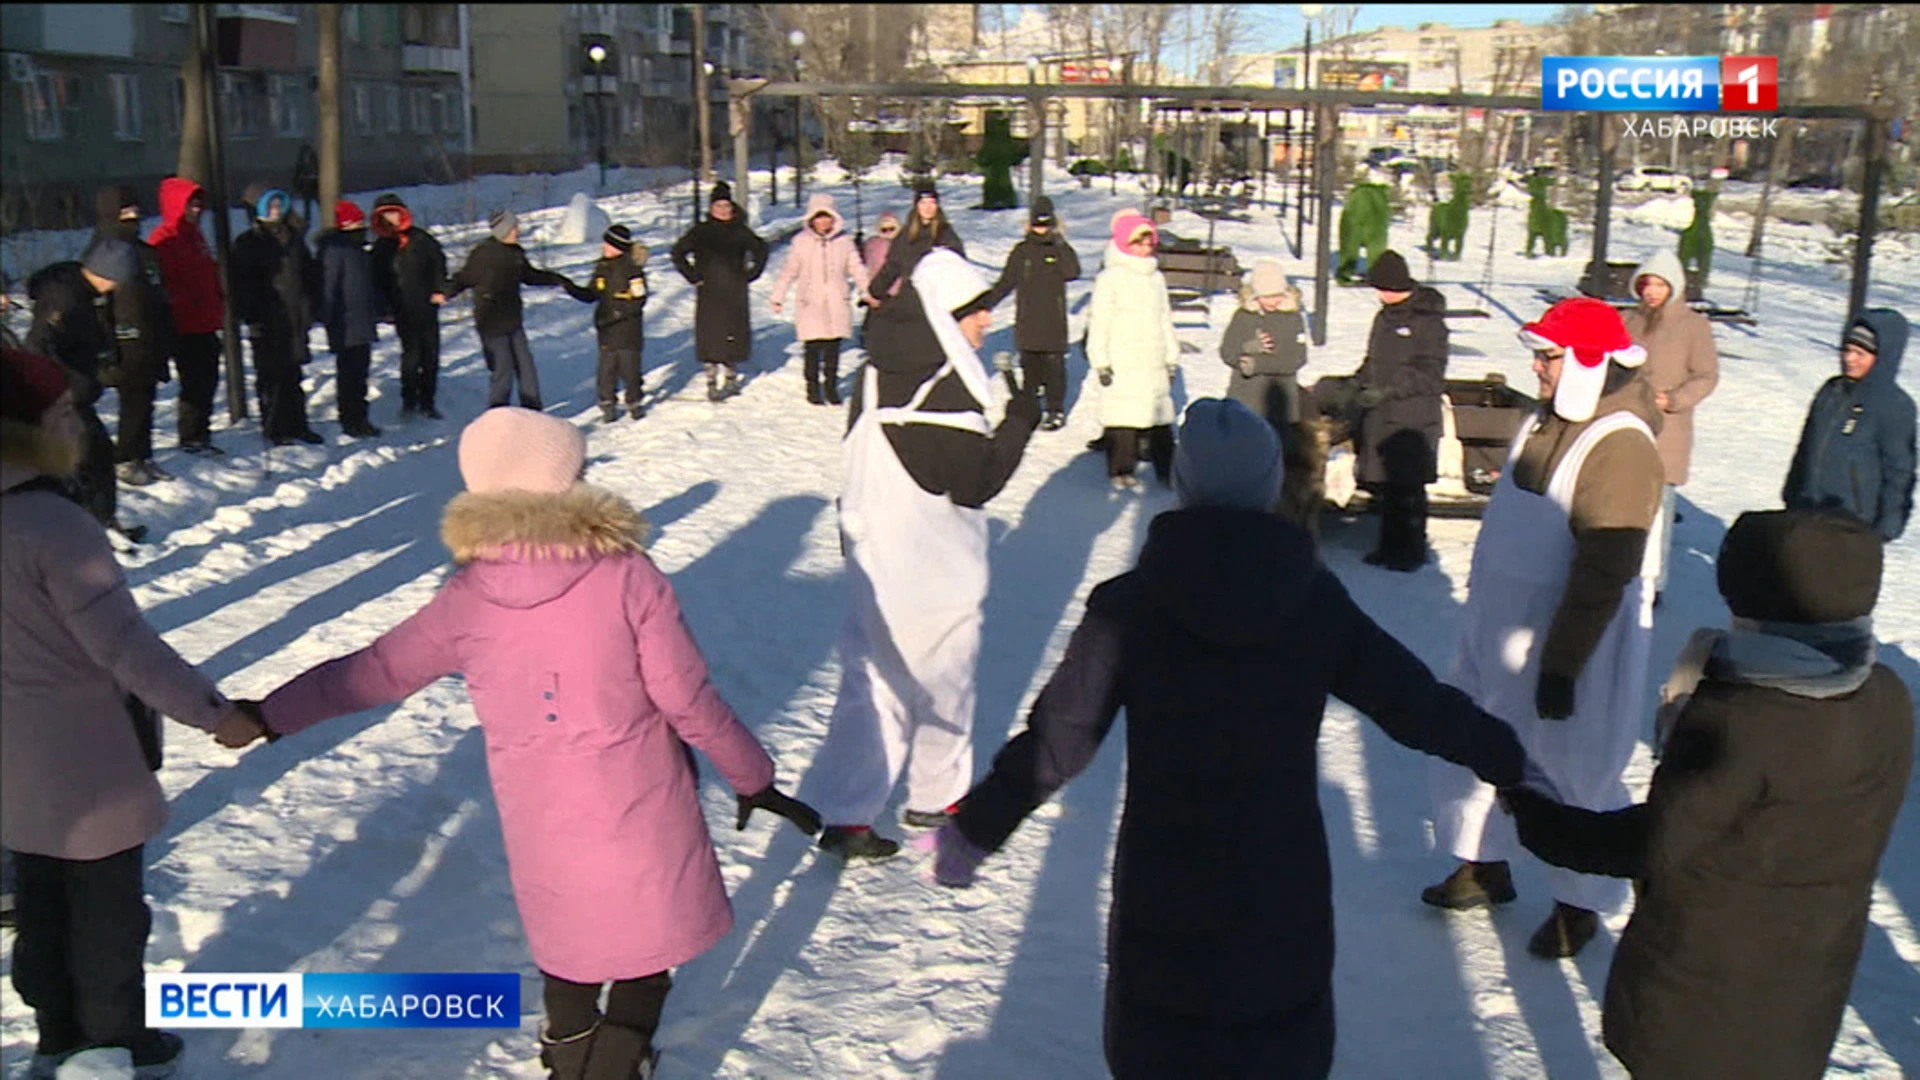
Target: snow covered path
[{"x": 371, "y": 843}]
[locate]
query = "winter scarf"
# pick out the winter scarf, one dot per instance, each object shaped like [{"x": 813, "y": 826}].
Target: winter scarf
[{"x": 1810, "y": 660}]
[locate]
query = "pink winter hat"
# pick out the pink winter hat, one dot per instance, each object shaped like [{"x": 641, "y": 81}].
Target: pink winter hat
[
  {"x": 510, "y": 449},
  {"x": 1128, "y": 224}
]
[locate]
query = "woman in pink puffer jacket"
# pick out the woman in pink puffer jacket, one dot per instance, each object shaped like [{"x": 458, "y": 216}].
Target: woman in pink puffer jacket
[{"x": 819, "y": 266}]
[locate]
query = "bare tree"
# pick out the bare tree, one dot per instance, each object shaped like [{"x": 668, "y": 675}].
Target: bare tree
[
  {"x": 329, "y": 112},
  {"x": 196, "y": 163}
]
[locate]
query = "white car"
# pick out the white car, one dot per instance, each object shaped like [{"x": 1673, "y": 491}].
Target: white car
[{"x": 1653, "y": 178}]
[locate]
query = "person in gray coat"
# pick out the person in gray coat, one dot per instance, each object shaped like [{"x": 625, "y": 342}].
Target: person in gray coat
[{"x": 1266, "y": 346}]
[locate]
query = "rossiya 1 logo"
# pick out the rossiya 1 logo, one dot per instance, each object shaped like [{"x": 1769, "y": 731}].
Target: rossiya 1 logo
[{"x": 1660, "y": 83}]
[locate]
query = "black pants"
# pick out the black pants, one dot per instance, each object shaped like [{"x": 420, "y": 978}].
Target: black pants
[
  {"x": 632, "y": 1003},
  {"x": 419, "y": 333},
  {"x": 1147, "y": 1042},
  {"x": 1123, "y": 450},
  {"x": 197, "y": 362},
  {"x": 79, "y": 958},
  {"x": 93, "y": 485},
  {"x": 508, "y": 358},
  {"x": 276, "y": 375},
  {"x": 136, "y": 417},
  {"x": 1403, "y": 522},
  {"x": 619, "y": 367},
  {"x": 350, "y": 366},
  {"x": 1046, "y": 371},
  {"x": 823, "y": 368}
]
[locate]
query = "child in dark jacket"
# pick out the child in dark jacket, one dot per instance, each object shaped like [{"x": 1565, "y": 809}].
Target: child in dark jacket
[
  {"x": 349, "y": 307},
  {"x": 495, "y": 270},
  {"x": 620, "y": 285},
  {"x": 1762, "y": 833},
  {"x": 1266, "y": 346}
]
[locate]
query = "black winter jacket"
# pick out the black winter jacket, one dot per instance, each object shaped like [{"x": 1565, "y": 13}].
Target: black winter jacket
[
  {"x": 405, "y": 278},
  {"x": 274, "y": 281},
  {"x": 348, "y": 306},
  {"x": 1223, "y": 645},
  {"x": 139, "y": 312},
  {"x": 1037, "y": 273},
  {"x": 1407, "y": 363},
  {"x": 495, "y": 271},
  {"x": 71, "y": 324},
  {"x": 720, "y": 259},
  {"x": 1857, "y": 448},
  {"x": 620, "y": 284},
  {"x": 1758, "y": 847},
  {"x": 967, "y": 467},
  {"x": 906, "y": 251}
]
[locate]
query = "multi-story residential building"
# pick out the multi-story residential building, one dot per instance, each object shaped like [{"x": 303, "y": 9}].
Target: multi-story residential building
[{"x": 97, "y": 97}]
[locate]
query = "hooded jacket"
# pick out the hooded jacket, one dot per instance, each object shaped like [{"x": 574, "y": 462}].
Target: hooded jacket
[
  {"x": 621, "y": 284},
  {"x": 1037, "y": 273},
  {"x": 1407, "y": 363},
  {"x": 1273, "y": 390},
  {"x": 817, "y": 269},
  {"x": 275, "y": 278},
  {"x": 409, "y": 265},
  {"x": 721, "y": 259},
  {"x": 1223, "y": 645},
  {"x": 186, "y": 263},
  {"x": 1681, "y": 360},
  {"x": 1130, "y": 333},
  {"x": 1856, "y": 449}
]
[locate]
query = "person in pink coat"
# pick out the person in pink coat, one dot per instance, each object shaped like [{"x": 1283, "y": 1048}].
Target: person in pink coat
[
  {"x": 820, "y": 263},
  {"x": 589, "y": 687}
]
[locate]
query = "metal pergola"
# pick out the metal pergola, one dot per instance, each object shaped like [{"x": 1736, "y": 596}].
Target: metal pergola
[{"x": 1878, "y": 120}]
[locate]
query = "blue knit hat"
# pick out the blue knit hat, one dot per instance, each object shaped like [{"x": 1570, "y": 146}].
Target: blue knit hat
[{"x": 1227, "y": 456}]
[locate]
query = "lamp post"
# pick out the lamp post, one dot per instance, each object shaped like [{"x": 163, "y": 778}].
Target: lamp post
[
  {"x": 598, "y": 54},
  {"x": 1308, "y": 12},
  {"x": 798, "y": 38},
  {"x": 1037, "y": 136}
]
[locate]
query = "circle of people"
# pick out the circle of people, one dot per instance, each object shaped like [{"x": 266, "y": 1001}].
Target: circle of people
[{"x": 1222, "y": 645}]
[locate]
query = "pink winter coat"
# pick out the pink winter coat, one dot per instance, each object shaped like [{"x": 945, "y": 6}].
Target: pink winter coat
[
  {"x": 821, "y": 267},
  {"x": 586, "y": 681},
  {"x": 875, "y": 257}
]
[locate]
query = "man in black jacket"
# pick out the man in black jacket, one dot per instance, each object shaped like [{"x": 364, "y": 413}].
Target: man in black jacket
[
  {"x": 1403, "y": 383},
  {"x": 348, "y": 308},
  {"x": 1223, "y": 646},
  {"x": 495, "y": 271},
  {"x": 620, "y": 284},
  {"x": 1037, "y": 272},
  {"x": 720, "y": 257},
  {"x": 410, "y": 277},
  {"x": 274, "y": 278},
  {"x": 143, "y": 331}
]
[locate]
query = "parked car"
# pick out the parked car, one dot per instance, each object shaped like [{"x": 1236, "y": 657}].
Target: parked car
[
  {"x": 1818, "y": 180},
  {"x": 1653, "y": 178}
]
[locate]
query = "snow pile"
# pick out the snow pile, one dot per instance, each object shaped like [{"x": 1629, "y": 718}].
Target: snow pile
[{"x": 582, "y": 222}]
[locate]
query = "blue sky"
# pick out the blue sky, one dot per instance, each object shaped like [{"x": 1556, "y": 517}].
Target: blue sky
[{"x": 1279, "y": 25}]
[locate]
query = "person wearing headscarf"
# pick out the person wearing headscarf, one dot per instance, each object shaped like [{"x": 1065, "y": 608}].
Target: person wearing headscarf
[{"x": 922, "y": 462}]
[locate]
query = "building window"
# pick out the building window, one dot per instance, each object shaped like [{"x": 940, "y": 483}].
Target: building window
[
  {"x": 283, "y": 106},
  {"x": 177, "y": 107},
  {"x": 128, "y": 122},
  {"x": 176, "y": 13},
  {"x": 236, "y": 111},
  {"x": 393, "y": 110},
  {"x": 350, "y": 23},
  {"x": 41, "y": 96},
  {"x": 362, "y": 109},
  {"x": 420, "y": 108},
  {"x": 450, "y": 106}
]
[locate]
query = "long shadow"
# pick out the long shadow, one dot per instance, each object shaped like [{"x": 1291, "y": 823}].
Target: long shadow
[{"x": 1885, "y": 979}]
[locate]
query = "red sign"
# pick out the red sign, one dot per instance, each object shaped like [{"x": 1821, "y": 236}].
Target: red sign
[
  {"x": 1097, "y": 72},
  {"x": 1749, "y": 83}
]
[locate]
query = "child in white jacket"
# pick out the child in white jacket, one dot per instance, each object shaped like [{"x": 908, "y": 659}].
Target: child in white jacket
[{"x": 1131, "y": 346}]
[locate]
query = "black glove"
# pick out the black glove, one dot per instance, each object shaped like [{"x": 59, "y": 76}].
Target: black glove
[
  {"x": 772, "y": 800},
  {"x": 1024, "y": 409},
  {"x": 1553, "y": 698},
  {"x": 1370, "y": 397},
  {"x": 1106, "y": 376}
]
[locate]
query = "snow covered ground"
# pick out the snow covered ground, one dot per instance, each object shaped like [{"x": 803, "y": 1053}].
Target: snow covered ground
[{"x": 371, "y": 843}]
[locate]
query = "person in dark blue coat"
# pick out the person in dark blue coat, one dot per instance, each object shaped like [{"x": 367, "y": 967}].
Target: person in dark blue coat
[
  {"x": 1223, "y": 645},
  {"x": 1856, "y": 451},
  {"x": 348, "y": 308}
]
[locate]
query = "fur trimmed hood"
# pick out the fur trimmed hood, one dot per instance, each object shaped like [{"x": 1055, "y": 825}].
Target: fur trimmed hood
[
  {"x": 1289, "y": 299},
  {"x": 29, "y": 450},
  {"x": 581, "y": 522}
]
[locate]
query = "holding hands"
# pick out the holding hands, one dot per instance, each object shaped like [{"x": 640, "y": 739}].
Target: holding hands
[
  {"x": 242, "y": 726},
  {"x": 775, "y": 801}
]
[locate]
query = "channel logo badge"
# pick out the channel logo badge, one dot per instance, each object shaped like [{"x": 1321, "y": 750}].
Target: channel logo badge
[
  {"x": 1660, "y": 83},
  {"x": 332, "y": 1000}
]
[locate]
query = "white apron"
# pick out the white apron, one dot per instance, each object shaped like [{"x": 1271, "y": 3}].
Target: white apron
[
  {"x": 917, "y": 564},
  {"x": 1520, "y": 568}
]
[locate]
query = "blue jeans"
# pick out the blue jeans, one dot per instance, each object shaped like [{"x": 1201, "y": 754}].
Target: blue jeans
[{"x": 509, "y": 357}]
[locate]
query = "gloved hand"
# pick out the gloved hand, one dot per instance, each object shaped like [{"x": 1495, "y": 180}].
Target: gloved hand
[
  {"x": 956, "y": 860},
  {"x": 1553, "y": 697},
  {"x": 1106, "y": 376},
  {"x": 1024, "y": 408},
  {"x": 253, "y": 712},
  {"x": 1535, "y": 779},
  {"x": 1370, "y": 397},
  {"x": 774, "y": 801}
]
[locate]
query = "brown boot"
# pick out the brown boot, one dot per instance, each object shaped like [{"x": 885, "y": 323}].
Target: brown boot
[
  {"x": 1474, "y": 884},
  {"x": 1565, "y": 932}
]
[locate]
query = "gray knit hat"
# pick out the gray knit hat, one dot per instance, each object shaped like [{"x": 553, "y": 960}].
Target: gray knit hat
[
  {"x": 502, "y": 224},
  {"x": 1227, "y": 456}
]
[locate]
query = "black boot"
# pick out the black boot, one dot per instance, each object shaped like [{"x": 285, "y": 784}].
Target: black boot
[
  {"x": 812, "y": 368},
  {"x": 927, "y": 819},
  {"x": 620, "y": 1053},
  {"x": 1565, "y": 932},
  {"x": 1474, "y": 884},
  {"x": 566, "y": 1059},
  {"x": 609, "y": 412},
  {"x": 830, "y": 381},
  {"x": 857, "y": 842},
  {"x": 733, "y": 384}
]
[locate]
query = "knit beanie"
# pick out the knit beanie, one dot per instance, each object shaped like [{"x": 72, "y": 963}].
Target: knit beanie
[
  {"x": 924, "y": 188},
  {"x": 1864, "y": 336},
  {"x": 1593, "y": 335},
  {"x": 512, "y": 449},
  {"x": 1041, "y": 213},
  {"x": 619, "y": 236},
  {"x": 1128, "y": 224},
  {"x": 722, "y": 192},
  {"x": 1227, "y": 455},
  {"x": 29, "y": 385},
  {"x": 348, "y": 216},
  {"x": 113, "y": 260},
  {"x": 1269, "y": 278},
  {"x": 388, "y": 199},
  {"x": 1800, "y": 566},
  {"x": 502, "y": 223},
  {"x": 1389, "y": 272}
]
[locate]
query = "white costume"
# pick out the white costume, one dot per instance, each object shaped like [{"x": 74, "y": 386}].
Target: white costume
[{"x": 917, "y": 564}]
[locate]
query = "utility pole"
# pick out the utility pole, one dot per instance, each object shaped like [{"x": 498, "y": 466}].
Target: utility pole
[
  {"x": 704, "y": 123},
  {"x": 329, "y": 112},
  {"x": 216, "y": 201},
  {"x": 194, "y": 92}
]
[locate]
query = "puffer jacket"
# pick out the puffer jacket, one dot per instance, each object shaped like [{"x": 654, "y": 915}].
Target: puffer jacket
[
  {"x": 621, "y": 285},
  {"x": 1407, "y": 364},
  {"x": 186, "y": 263},
  {"x": 1856, "y": 451},
  {"x": 817, "y": 270},
  {"x": 1681, "y": 361},
  {"x": 1130, "y": 334}
]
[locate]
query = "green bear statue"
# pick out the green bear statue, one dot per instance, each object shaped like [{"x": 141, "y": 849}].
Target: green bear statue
[
  {"x": 999, "y": 153},
  {"x": 1363, "y": 224},
  {"x": 1544, "y": 223},
  {"x": 1447, "y": 223}
]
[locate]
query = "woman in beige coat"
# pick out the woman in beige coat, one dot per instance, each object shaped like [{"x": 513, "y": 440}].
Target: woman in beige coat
[{"x": 1683, "y": 368}]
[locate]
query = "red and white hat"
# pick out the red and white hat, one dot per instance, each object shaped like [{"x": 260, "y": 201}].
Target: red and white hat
[{"x": 1592, "y": 334}]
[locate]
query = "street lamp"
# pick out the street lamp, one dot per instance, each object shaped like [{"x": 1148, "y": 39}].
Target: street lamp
[
  {"x": 796, "y": 39},
  {"x": 1037, "y": 134},
  {"x": 1308, "y": 12},
  {"x": 598, "y": 54}
]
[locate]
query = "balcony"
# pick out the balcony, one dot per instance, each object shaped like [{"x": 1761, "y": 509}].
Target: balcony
[{"x": 424, "y": 59}]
